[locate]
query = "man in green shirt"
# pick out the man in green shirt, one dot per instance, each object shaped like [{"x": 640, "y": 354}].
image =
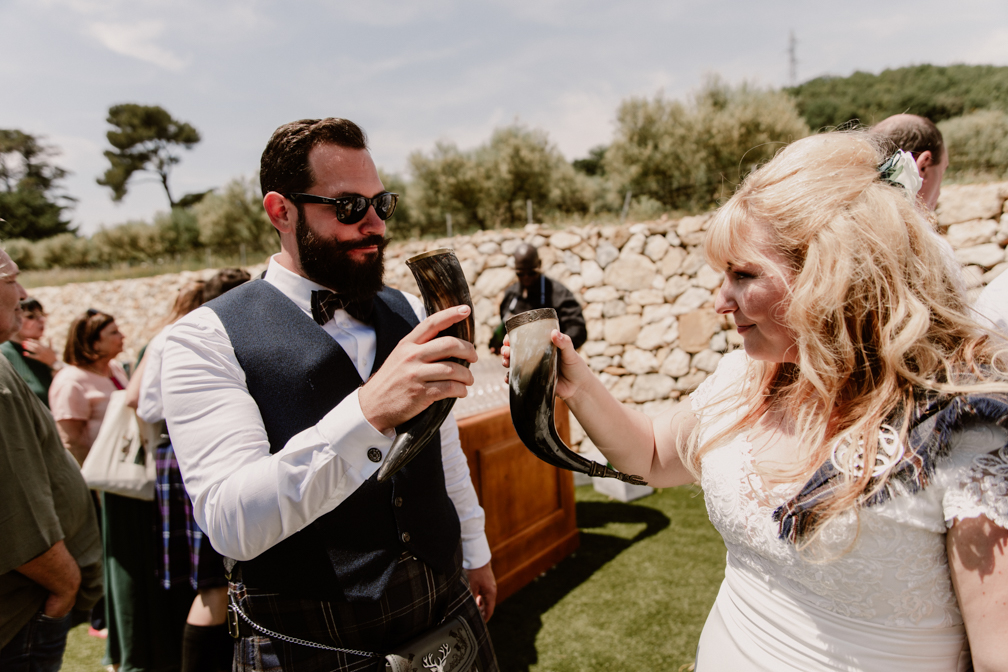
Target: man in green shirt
[
  {"x": 50, "y": 556},
  {"x": 31, "y": 358}
]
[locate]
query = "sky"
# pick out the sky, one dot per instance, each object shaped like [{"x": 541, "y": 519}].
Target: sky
[{"x": 418, "y": 72}]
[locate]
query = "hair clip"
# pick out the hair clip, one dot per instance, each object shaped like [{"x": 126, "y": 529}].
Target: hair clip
[{"x": 900, "y": 169}]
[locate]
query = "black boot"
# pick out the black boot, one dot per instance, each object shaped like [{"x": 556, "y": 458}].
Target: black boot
[{"x": 207, "y": 648}]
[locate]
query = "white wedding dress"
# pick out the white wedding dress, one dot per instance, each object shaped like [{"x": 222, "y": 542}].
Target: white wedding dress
[{"x": 884, "y": 603}]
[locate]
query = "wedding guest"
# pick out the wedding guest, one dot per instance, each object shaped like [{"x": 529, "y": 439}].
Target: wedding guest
[{"x": 33, "y": 360}]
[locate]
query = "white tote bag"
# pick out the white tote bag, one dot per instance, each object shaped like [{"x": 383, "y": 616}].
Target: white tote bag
[{"x": 118, "y": 462}]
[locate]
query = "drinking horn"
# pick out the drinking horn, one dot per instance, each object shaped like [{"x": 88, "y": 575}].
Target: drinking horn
[
  {"x": 533, "y": 377},
  {"x": 442, "y": 285}
]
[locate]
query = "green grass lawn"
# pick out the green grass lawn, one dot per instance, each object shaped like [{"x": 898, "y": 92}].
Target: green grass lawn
[{"x": 633, "y": 597}]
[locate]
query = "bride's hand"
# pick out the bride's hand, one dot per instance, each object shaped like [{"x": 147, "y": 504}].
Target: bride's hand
[{"x": 569, "y": 368}]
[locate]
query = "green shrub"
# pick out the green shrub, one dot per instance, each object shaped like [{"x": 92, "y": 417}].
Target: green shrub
[
  {"x": 22, "y": 251},
  {"x": 63, "y": 251},
  {"x": 977, "y": 144},
  {"x": 234, "y": 215},
  {"x": 489, "y": 186},
  {"x": 935, "y": 92},
  {"x": 132, "y": 243},
  {"x": 689, "y": 156}
]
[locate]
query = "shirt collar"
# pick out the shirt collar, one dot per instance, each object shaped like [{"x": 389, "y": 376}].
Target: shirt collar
[{"x": 295, "y": 287}]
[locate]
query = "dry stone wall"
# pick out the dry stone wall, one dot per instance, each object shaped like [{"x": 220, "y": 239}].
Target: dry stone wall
[{"x": 647, "y": 293}]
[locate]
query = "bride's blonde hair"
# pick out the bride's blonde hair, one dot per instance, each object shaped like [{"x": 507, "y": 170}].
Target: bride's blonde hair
[{"x": 874, "y": 303}]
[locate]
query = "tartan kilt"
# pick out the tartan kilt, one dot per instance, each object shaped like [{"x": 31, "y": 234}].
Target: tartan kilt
[{"x": 416, "y": 599}]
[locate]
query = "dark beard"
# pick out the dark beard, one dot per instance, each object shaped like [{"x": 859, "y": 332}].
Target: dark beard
[{"x": 328, "y": 263}]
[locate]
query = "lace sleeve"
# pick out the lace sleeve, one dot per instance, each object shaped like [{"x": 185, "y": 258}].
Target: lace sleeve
[{"x": 982, "y": 490}]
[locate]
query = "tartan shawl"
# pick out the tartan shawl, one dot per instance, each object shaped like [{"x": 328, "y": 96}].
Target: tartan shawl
[{"x": 934, "y": 419}]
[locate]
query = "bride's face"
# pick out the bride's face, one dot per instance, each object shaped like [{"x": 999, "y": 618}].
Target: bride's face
[{"x": 756, "y": 296}]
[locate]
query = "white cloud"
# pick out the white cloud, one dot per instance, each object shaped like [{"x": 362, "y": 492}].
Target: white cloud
[{"x": 136, "y": 40}]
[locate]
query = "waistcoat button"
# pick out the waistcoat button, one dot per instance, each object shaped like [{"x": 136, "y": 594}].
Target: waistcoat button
[
  {"x": 405, "y": 537},
  {"x": 397, "y": 502}
]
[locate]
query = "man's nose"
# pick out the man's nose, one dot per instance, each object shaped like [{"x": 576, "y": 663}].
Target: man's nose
[
  {"x": 372, "y": 223},
  {"x": 22, "y": 294}
]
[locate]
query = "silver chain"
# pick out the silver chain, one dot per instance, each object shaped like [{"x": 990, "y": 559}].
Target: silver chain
[{"x": 295, "y": 640}]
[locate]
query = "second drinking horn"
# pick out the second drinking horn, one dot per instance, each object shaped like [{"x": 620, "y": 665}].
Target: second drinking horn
[
  {"x": 442, "y": 285},
  {"x": 533, "y": 377}
]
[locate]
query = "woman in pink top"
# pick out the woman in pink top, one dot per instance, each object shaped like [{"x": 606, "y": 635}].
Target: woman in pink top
[{"x": 80, "y": 392}]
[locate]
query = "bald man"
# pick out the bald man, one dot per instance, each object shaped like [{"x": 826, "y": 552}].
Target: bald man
[
  {"x": 534, "y": 290},
  {"x": 924, "y": 141}
]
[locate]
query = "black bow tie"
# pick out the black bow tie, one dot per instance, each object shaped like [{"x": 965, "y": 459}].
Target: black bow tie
[{"x": 325, "y": 303}]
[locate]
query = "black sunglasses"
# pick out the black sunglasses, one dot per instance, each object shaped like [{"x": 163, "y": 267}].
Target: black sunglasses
[{"x": 351, "y": 209}]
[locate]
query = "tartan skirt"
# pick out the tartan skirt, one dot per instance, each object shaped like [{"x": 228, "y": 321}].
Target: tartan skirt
[
  {"x": 416, "y": 600},
  {"x": 186, "y": 556}
]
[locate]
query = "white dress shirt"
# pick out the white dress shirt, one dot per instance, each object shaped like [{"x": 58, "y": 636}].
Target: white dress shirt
[{"x": 248, "y": 500}]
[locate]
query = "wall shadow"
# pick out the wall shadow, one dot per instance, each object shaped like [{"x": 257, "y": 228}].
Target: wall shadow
[{"x": 517, "y": 620}]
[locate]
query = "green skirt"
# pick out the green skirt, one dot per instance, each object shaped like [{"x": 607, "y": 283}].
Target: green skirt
[{"x": 145, "y": 621}]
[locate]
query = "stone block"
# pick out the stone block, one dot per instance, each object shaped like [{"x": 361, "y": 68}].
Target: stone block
[
  {"x": 471, "y": 268},
  {"x": 499, "y": 261},
  {"x": 719, "y": 341},
  {"x": 691, "y": 230},
  {"x": 584, "y": 250},
  {"x": 621, "y": 390},
  {"x": 635, "y": 244},
  {"x": 509, "y": 246},
  {"x": 963, "y": 202},
  {"x": 672, "y": 261},
  {"x": 624, "y": 329},
  {"x": 485, "y": 312},
  {"x": 651, "y": 386},
  {"x": 696, "y": 329},
  {"x": 592, "y": 311},
  {"x": 674, "y": 286},
  {"x": 572, "y": 261},
  {"x": 677, "y": 364},
  {"x": 986, "y": 255},
  {"x": 606, "y": 253},
  {"x": 600, "y": 294},
  {"x": 599, "y": 362},
  {"x": 574, "y": 283},
  {"x": 656, "y": 248},
  {"x": 706, "y": 360},
  {"x": 591, "y": 273},
  {"x": 656, "y": 313},
  {"x": 616, "y": 236},
  {"x": 630, "y": 272},
  {"x": 708, "y": 278},
  {"x": 613, "y": 350},
  {"x": 973, "y": 232},
  {"x": 489, "y": 248},
  {"x": 564, "y": 240},
  {"x": 690, "y": 300},
  {"x": 593, "y": 348},
  {"x": 614, "y": 308},
  {"x": 693, "y": 262},
  {"x": 646, "y": 297},
  {"x": 636, "y": 360}
]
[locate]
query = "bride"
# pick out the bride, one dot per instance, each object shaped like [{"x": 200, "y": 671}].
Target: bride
[{"x": 854, "y": 455}]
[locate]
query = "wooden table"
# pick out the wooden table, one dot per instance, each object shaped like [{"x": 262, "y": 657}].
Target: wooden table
[{"x": 529, "y": 505}]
